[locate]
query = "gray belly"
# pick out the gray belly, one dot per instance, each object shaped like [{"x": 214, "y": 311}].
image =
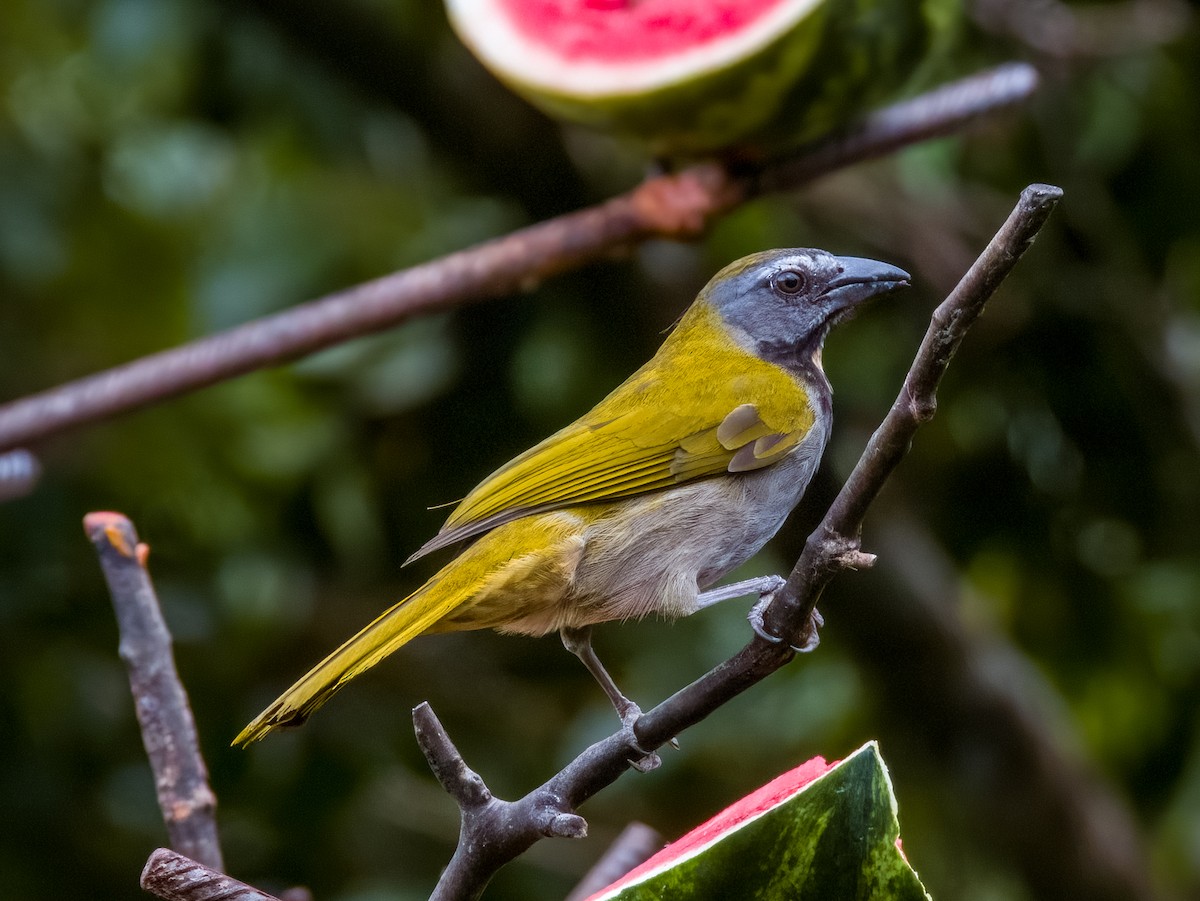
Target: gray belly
[{"x": 659, "y": 551}]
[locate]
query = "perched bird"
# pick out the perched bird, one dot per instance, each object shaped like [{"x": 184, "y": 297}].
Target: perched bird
[{"x": 677, "y": 477}]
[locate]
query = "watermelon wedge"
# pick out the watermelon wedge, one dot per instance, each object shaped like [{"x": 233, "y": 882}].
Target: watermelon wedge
[
  {"x": 691, "y": 77},
  {"x": 826, "y": 831}
]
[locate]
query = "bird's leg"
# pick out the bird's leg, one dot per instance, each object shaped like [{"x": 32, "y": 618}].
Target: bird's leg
[
  {"x": 763, "y": 586},
  {"x": 579, "y": 642}
]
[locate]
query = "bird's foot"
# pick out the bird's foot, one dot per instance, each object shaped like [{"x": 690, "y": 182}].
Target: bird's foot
[
  {"x": 630, "y": 713},
  {"x": 812, "y": 635}
]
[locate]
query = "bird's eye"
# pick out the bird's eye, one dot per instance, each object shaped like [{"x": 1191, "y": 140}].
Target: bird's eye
[{"x": 789, "y": 281}]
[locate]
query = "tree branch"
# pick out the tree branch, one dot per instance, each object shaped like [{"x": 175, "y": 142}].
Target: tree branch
[
  {"x": 175, "y": 877},
  {"x": 485, "y": 841},
  {"x": 494, "y": 832},
  {"x": 674, "y": 206},
  {"x": 187, "y": 802}
]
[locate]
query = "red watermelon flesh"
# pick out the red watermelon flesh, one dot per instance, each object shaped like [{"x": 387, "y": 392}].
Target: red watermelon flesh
[
  {"x": 630, "y": 30},
  {"x": 758, "y": 802}
]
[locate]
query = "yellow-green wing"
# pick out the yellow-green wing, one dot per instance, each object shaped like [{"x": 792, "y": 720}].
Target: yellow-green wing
[{"x": 690, "y": 413}]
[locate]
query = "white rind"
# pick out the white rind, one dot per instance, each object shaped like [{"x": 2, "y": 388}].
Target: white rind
[{"x": 491, "y": 35}]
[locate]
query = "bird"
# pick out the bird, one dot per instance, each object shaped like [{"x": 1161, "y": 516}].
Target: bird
[{"x": 677, "y": 477}]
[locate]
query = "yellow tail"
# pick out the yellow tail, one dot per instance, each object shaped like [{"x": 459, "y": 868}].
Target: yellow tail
[{"x": 394, "y": 628}]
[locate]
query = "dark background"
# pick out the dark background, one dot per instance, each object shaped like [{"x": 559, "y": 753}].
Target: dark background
[{"x": 173, "y": 167}]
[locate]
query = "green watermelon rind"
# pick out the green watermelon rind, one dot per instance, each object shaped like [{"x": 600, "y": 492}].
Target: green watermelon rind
[
  {"x": 840, "y": 58},
  {"x": 834, "y": 839}
]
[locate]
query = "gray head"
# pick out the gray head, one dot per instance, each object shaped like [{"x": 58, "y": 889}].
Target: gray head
[{"x": 786, "y": 301}]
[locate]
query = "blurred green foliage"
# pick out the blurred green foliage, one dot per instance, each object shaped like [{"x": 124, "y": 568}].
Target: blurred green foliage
[{"x": 171, "y": 167}]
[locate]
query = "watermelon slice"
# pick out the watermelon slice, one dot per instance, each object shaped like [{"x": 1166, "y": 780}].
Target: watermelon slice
[
  {"x": 825, "y": 831},
  {"x": 690, "y": 77}
]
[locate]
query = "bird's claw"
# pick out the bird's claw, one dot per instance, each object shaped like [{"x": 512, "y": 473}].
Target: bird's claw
[
  {"x": 646, "y": 761},
  {"x": 812, "y": 634},
  {"x": 645, "y": 764},
  {"x": 770, "y": 585}
]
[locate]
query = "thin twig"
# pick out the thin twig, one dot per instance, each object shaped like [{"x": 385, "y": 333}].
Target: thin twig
[
  {"x": 677, "y": 206},
  {"x": 187, "y": 802},
  {"x": 461, "y": 782},
  {"x": 175, "y": 877},
  {"x": 487, "y": 843}
]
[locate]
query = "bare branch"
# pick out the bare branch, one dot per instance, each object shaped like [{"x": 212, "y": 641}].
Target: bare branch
[
  {"x": 461, "y": 782},
  {"x": 175, "y": 877},
  {"x": 187, "y": 802},
  {"x": 498, "y": 831},
  {"x": 486, "y": 838},
  {"x": 673, "y": 206}
]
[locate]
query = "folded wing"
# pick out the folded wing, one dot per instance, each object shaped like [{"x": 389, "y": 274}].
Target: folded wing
[{"x": 646, "y": 448}]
